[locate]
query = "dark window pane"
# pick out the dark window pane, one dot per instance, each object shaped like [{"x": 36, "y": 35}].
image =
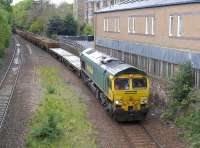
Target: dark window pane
[
  {"x": 122, "y": 84},
  {"x": 139, "y": 83}
]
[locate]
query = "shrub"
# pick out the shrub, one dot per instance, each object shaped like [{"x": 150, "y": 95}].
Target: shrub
[
  {"x": 180, "y": 88},
  {"x": 88, "y": 30},
  {"x": 181, "y": 84},
  {"x": 37, "y": 26},
  {"x": 51, "y": 89},
  {"x": 49, "y": 128}
]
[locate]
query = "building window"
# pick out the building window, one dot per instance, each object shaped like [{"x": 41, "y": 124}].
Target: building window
[
  {"x": 131, "y": 25},
  {"x": 118, "y": 25},
  {"x": 180, "y": 26},
  {"x": 176, "y": 22},
  {"x": 105, "y": 24},
  {"x": 149, "y": 25},
  {"x": 171, "y": 24},
  {"x": 112, "y": 24}
]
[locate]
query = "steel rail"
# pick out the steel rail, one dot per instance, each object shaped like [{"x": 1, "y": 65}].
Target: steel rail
[
  {"x": 14, "y": 84},
  {"x": 11, "y": 61},
  {"x": 152, "y": 137}
]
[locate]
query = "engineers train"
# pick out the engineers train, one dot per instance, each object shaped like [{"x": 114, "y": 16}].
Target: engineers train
[{"x": 122, "y": 89}]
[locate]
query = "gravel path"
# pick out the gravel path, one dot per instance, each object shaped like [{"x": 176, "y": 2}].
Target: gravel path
[{"x": 27, "y": 97}]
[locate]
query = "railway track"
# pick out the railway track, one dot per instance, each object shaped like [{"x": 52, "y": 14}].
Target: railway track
[
  {"x": 138, "y": 136},
  {"x": 8, "y": 83}
]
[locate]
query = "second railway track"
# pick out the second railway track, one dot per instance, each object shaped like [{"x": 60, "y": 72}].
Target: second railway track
[{"x": 8, "y": 83}]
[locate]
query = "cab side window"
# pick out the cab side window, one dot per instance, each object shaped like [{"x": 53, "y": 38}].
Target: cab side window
[
  {"x": 109, "y": 83},
  {"x": 83, "y": 64}
]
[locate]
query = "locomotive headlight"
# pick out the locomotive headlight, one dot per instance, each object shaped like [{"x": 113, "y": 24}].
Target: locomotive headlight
[
  {"x": 143, "y": 100},
  {"x": 118, "y": 102}
]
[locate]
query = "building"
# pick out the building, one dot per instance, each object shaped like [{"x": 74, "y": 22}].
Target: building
[
  {"x": 83, "y": 10},
  {"x": 79, "y": 10},
  {"x": 154, "y": 35},
  {"x": 92, "y": 6}
]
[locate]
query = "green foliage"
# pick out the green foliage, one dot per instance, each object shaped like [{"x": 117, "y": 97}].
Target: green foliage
[
  {"x": 70, "y": 25},
  {"x": 184, "y": 107},
  {"x": 181, "y": 84},
  {"x": 51, "y": 89},
  {"x": 37, "y": 26},
  {"x": 189, "y": 121},
  {"x": 48, "y": 129},
  {"x": 88, "y": 30},
  {"x": 180, "y": 88},
  {"x": 36, "y": 19},
  {"x": 60, "y": 120},
  {"x": 5, "y": 20},
  {"x": 55, "y": 26},
  {"x": 21, "y": 14},
  {"x": 60, "y": 26}
]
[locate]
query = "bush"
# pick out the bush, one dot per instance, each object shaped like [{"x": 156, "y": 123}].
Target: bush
[
  {"x": 51, "y": 89},
  {"x": 180, "y": 88},
  {"x": 48, "y": 129},
  {"x": 37, "y": 26},
  {"x": 88, "y": 30},
  {"x": 181, "y": 84},
  {"x": 184, "y": 107}
]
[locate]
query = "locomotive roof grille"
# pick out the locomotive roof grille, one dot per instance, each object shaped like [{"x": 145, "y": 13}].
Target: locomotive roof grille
[{"x": 110, "y": 64}]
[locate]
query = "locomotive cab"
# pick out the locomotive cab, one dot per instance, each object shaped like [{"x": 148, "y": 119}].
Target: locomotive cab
[{"x": 130, "y": 95}]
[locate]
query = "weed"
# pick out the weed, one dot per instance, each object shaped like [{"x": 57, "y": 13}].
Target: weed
[{"x": 51, "y": 89}]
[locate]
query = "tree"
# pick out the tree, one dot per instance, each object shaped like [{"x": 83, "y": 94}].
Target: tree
[
  {"x": 55, "y": 26},
  {"x": 5, "y": 20},
  {"x": 181, "y": 84},
  {"x": 70, "y": 26},
  {"x": 88, "y": 30},
  {"x": 37, "y": 26},
  {"x": 21, "y": 13}
]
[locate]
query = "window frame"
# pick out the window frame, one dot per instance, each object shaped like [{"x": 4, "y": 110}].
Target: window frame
[
  {"x": 131, "y": 19},
  {"x": 149, "y": 20},
  {"x": 180, "y": 26},
  {"x": 171, "y": 22}
]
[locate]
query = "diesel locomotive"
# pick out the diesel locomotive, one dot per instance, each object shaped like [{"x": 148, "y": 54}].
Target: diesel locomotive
[{"x": 123, "y": 89}]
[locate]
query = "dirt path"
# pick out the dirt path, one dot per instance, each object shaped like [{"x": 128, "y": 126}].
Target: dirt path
[{"x": 27, "y": 97}]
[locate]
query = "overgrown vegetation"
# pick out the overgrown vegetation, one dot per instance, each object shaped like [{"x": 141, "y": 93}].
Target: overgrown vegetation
[
  {"x": 184, "y": 107},
  {"x": 61, "y": 119},
  {"x": 180, "y": 87},
  {"x": 5, "y": 23}
]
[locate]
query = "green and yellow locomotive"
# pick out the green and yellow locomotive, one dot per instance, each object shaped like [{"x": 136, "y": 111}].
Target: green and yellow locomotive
[{"x": 123, "y": 89}]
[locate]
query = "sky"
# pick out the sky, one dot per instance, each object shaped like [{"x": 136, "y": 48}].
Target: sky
[{"x": 53, "y": 1}]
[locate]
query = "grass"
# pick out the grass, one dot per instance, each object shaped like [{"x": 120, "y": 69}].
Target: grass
[{"x": 60, "y": 121}]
